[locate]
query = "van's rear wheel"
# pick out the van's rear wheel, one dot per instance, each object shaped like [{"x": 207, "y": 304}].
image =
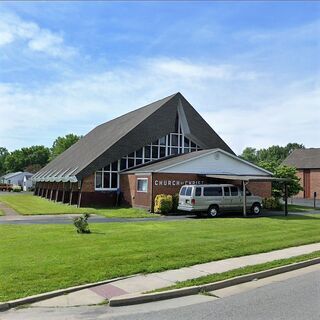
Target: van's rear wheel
[
  {"x": 256, "y": 209},
  {"x": 213, "y": 211}
]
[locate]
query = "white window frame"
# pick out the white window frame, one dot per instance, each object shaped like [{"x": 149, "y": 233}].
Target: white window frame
[{"x": 145, "y": 179}]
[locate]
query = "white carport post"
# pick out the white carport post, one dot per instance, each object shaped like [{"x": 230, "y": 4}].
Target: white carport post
[{"x": 244, "y": 198}]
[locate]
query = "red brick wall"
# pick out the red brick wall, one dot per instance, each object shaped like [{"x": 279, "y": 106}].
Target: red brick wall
[
  {"x": 315, "y": 182},
  {"x": 88, "y": 183},
  {"x": 262, "y": 189},
  {"x": 300, "y": 176},
  {"x": 130, "y": 195}
]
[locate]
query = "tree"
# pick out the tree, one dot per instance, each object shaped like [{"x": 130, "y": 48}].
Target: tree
[
  {"x": 63, "y": 143},
  {"x": 19, "y": 160},
  {"x": 250, "y": 154},
  {"x": 293, "y": 182},
  {"x": 273, "y": 154},
  {"x": 3, "y": 154}
]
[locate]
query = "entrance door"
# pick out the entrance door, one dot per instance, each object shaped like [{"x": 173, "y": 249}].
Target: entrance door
[{"x": 306, "y": 183}]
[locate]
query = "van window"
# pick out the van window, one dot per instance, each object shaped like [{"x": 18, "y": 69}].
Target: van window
[
  {"x": 212, "y": 191},
  {"x": 188, "y": 192},
  {"x": 234, "y": 191},
  {"x": 198, "y": 192},
  {"x": 226, "y": 191},
  {"x": 183, "y": 191}
]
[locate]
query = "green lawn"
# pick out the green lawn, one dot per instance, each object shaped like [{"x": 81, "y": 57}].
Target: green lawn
[
  {"x": 40, "y": 258},
  {"x": 27, "y": 204},
  {"x": 298, "y": 208},
  {"x": 239, "y": 272},
  {"x": 1, "y": 213}
]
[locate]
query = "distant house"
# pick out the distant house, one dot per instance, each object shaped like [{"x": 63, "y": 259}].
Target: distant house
[
  {"x": 15, "y": 178},
  {"x": 307, "y": 162},
  {"x": 27, "y": 183}
]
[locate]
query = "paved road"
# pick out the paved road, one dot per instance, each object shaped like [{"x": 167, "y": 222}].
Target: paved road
[{"x": 291, "y": 296}]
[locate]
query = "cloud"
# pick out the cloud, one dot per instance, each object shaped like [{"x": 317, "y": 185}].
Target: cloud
[
  {"x": 241, "y": 109},
  {"x": 15, "y": 30}
]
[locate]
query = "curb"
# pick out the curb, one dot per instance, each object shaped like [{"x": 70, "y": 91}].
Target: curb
[
  {"x": 47, "y": 295},
  {"x": 131, "y": 299}
]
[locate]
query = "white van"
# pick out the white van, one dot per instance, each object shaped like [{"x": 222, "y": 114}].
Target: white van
[{"x": 214, "y": 198}]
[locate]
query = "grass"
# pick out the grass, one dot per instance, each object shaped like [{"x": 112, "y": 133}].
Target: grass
[
  {"x": 27, "y": 204},
  {"x": 1, "y": 213},
  {"x": 41, "y": 258},
  {"x": 239, "y": 272},
  {"x": 298, "y": 208}
]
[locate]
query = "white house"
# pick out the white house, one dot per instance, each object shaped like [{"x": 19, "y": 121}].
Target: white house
[{"x": 16, "y": 178}]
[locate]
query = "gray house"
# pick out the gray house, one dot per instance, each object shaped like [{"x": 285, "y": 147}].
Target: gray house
[{"x": 15, "y": 178}]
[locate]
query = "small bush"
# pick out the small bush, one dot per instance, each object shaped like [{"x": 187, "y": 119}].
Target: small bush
[
  {"x": 162, "y": 203},
  {"x": 272, "y": 203},
  {"x": 175, "y": 202},
  {"x": 81, "y": 223}
]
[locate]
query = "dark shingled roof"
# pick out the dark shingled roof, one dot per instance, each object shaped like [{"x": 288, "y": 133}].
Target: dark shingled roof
[
  {"x": 114, "y": 139},
  {"x": 304, "y": 159}
]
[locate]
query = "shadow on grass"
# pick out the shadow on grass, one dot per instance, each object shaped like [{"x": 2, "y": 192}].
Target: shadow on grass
[{"x": 269, "y": 215}]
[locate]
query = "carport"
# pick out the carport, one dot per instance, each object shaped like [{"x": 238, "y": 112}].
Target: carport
[{"x": 245, "y": 179}]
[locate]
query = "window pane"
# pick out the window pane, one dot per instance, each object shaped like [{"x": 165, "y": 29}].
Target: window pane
[
  {"x": 188, "y": 192},
  {"x": 139, "y": 153},
  {"x": 186, "y": 142},
  {"x": 130, "y": 163},
  {"x": 198, "y": 192},
  {"x": 155, "y": 152},
  {"x": 226, "y": 191},
  {"x": 138, "y": 161},
  {"x": 212, "y": 191},
  {"x": 106, "y": 180},
  {"x": 98, "y": 179},
  {"x": 174, "y": 140},
  {"x": 147, "y": 152},
  {"x": 146, "y": 160},
  {"x": 123, "y": 164},
  {"x": 114, "y": 180},
  {"x": 162, "y": 141},
  {"x": 193, "y": 145},
  {"x": 131, "y": 155},
  {"x": 174, "y": 151},
  {"x": 183, "y": 191},
  {"x": 234, "y": 191},
  {"x": 162, "y": 152},
  {"x": 107, "y": 168},
  {"x": 155, "y": 143},
  {"x": 142, "y": 185},
  {"x": 114, "y": 166}
]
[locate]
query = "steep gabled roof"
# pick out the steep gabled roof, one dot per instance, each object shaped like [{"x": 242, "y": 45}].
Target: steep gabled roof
[
  {"x": 304, "y": 159},
  {"x": 116, "y": 138}
]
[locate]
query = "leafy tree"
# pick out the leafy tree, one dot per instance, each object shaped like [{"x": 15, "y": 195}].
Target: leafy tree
[
  {"x": 19, "y": 160},
  {"x": 63, "y": 143},
  {"x": 3, "y": 154},
  {"x": 293, "y": 183},
  {"x": 273, "y": 154},
  {"x": 250, "y": 154}
]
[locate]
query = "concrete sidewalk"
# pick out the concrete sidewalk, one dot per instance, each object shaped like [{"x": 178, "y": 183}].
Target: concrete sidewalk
[{"x": 142, "y": 283}]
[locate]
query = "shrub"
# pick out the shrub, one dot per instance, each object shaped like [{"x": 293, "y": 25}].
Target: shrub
[
  {"x": 272, "y": 203},
  {"x": 16, "y": 189},
  {"x": 81, "y": 223},
  {"x": 175, "y": 202},
  {"x": 162, "y": 203}
]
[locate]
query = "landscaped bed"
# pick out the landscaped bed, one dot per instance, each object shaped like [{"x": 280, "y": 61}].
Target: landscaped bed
[
  {"x": 27, "y": 204},
  {"x": 40, "y": 258}
]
